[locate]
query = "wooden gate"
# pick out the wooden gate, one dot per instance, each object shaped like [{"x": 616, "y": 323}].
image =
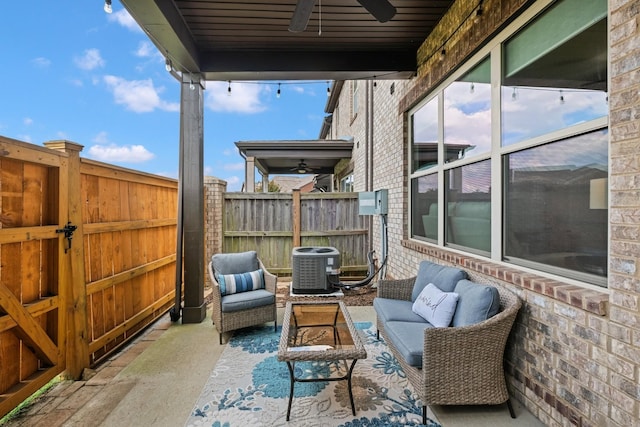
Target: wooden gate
[{"x": 33, "y": 308}]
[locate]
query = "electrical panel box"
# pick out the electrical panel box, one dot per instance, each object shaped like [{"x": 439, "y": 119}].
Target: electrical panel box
[{"x": 373, "y": 202}]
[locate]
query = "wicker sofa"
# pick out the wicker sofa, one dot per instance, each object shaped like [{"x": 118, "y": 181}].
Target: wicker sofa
[{"x": 455, "y": 365}]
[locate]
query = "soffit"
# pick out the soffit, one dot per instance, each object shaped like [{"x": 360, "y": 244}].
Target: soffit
[{"x": 249, "y": 39}]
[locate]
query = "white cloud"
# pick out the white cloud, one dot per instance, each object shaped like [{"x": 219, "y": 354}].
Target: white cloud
[
  {"x": 233, "y": 183},
  {"x": 123, "y": 18},
  {"x": 106, "y": 151},
  {"x": 139, "y": 96},
  {"x": 41, "y": 62},
  {"x": 244, "y": 97},
  {"x": 89, "y": 60},
  {"x": 148, "y": 50},
  {"x": 28, "y": 121},
  {"x": 115, "y": 153},
  {"x": 101, "y": 138}
]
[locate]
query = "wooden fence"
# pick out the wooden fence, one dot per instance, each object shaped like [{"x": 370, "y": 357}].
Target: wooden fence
[
  {"x": 274, "y": 223},
  {"x": 66, "y": 303}
]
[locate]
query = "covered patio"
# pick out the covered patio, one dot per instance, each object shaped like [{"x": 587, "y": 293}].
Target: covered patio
[{"x": 260, "y": 40}]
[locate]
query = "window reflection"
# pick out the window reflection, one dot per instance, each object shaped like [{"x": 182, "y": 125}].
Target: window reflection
[
  {"x": 467, "y": 113},
  {"x": 555, "y": 204},
  {"x": 424, "y": 199},
  {"x": 469, "y": 206},
  {"x": 424, "y": 147},
  {"x": 555, "y": 71}
]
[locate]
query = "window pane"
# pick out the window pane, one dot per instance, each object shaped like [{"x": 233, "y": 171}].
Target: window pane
[
  {"x": 555, "y": 73},
  {"x": 424, "y": 206},
  {"x": 469, "y": 206},
  {"x": 467, "y": 114},
  {"x": 556, "y": 204},
  {"x": 424, "y": 146}
]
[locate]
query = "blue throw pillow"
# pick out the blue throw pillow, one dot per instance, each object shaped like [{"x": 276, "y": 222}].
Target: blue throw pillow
[
  {"x": 241, "y": 282},
  {"x": 476, "y": 303}
]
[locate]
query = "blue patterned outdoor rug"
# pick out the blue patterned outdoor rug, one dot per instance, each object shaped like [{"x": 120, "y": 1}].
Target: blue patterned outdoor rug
[{"x": 250, "y": 387}]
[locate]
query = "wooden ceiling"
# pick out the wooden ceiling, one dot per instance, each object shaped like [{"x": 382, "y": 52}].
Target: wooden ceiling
[{"x": 250, "y": 40}]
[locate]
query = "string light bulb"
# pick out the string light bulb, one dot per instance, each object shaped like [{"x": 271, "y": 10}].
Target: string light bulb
[
  {"x": 478, "y": 14},
  {"x": 443, "y": 53},
  {"x": 229, "y": 89},
  {"x": 472, "y": 88},
  {"x": 167, "y": 64},
  {"x": 514, "y": 94},
  {"x": 191, "y": 85},
  {"x": 107, "y": 6},
  {"x": 328, "y": 90},
  {"x": 278, "y": 92},
  {"x": 561, "y": 97}
]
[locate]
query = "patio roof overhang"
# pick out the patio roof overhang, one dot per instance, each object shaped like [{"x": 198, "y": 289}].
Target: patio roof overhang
[
  {"x": 250, "y": 40},
  {"x": 280, "y": 157}
]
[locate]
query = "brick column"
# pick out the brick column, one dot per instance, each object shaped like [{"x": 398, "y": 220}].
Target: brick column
[{"x": 214, "y": 189}]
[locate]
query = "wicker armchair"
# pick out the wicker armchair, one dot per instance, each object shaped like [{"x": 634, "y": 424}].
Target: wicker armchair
[
  {"x": 460, "y": 365},
  {"x": 242, "y": 310}
]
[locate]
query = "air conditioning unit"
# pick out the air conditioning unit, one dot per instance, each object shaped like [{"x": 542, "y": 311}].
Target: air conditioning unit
[{"x": 310, "y": 267}]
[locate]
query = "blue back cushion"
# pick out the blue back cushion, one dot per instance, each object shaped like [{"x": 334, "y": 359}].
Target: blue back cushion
[
  {"x": 234, "y": 263},
  {"x": 476, "y": 303},
  {"x": 444, "y": 277}
]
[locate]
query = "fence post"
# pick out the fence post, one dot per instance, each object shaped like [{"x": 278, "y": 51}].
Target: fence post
[
  {"x": 77, "y": 351},
  {"x": 296, "y": 212}
]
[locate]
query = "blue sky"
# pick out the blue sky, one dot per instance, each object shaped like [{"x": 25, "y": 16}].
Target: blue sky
[{"x": 73, "y": 72}]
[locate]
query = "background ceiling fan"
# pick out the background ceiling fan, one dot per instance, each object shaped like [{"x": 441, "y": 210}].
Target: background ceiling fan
[
  {"x": 382, "y": 10},
  {"x": 302, "y": 168}
]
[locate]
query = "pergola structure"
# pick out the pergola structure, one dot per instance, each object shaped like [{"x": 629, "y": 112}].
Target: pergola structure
[
  {"x": 232, "y": 40},
  {"x": 291, "y": 157}
]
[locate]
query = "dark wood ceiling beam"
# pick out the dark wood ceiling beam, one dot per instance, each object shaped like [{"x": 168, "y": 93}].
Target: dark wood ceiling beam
[{"x": 223, "y": 65}]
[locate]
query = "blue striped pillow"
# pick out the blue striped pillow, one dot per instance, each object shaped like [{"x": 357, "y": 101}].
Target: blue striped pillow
[{"x": 243, "y": 282}]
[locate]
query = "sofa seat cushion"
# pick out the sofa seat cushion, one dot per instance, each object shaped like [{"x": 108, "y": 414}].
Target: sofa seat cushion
[
  {"x": 476, "y": 302},
  {"x": 444, "y": 277},
  {"x": 389, "y": 310},
  {"x": 408, "y": 339},
  {"x": 247, "y": 300}
]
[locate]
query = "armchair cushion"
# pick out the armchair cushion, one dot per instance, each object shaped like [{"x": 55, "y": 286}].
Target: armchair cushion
[
  {"x": 476, "y": 303},
  {"x": 234, "y": 263},
  {"x": 240, "y": 282},
  {"x": 247, "y": 300},
  {"x": 444, "y": 277},
  {"x": 435, "y": 306}
]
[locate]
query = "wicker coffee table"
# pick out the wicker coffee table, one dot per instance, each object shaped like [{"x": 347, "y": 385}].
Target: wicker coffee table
[{"x": 319, "y": 331}]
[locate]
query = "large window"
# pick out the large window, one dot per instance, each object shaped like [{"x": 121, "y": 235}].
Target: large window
[
  {"x": 556, "y": 204},
  {"x": 525, "y": 166}
]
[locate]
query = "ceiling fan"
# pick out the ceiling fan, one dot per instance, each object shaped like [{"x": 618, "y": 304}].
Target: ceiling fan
[
  {"x": 302, "y": 168},
  {"x": 382, "y": 10}
]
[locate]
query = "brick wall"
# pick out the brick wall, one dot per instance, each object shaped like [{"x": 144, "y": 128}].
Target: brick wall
[{"x": 574, "y": 354}]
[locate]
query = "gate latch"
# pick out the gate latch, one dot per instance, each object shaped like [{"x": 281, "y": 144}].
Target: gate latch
[{"x": 68, "y": 233}]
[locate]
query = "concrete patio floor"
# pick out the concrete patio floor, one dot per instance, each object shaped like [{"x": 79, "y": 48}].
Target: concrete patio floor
[{"x": 156, "y": 380}]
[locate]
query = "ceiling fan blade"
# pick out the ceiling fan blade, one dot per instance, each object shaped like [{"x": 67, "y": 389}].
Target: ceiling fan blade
[
  {"x": 301, "y": 15},
  {"x": 382, "y": 10}
]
